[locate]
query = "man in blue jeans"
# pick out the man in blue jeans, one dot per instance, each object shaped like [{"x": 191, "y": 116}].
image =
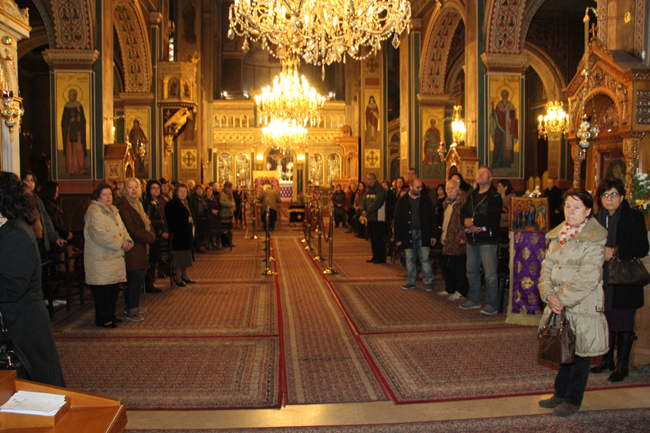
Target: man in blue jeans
[
  {"x": 416, "y": 230},
  {"x": 481, "y": 215}
]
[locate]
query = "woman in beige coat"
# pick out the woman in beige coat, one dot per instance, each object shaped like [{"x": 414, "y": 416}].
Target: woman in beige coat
[
  {"x": 571, "y": 280},
  {"x": 107, "y": 240}
]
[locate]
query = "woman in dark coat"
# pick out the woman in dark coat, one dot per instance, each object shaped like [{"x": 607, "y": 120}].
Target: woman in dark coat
[
  {"x": 155, "y": 214},
  {"x": 180, "y": 222},
  {"x": 626, "y": 231},
  {"x": 200, "y": 209},
  {"x": 137, "y": 261},
  {"x": 21, "y": 295},
  {"x": 238, "y": 195}
]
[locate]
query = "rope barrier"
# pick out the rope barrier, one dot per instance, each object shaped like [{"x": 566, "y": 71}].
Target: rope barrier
[{"x": 322, "y": 225}]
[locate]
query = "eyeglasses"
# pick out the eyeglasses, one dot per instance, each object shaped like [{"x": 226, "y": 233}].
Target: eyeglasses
[{"x": 613, "y": 195}]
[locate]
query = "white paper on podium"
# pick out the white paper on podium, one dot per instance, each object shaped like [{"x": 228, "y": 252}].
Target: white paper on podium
[{"x": 34, "y": 403}]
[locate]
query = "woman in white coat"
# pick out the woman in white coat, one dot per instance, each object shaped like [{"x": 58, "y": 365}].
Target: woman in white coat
[
  {"x": 107, "y": 240},
  {"x": 572, "y": 280}
]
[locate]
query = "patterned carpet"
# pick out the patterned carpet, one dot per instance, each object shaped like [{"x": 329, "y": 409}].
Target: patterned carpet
[
  {"x": 620, "y": 421},
  {"x": 175, "y": 373},
  {"x": 232, "y": 309},
  {"x": 454, "y": 365},
  {"x": 324, "y": 363},
  {"x": 384, "y": 307}
]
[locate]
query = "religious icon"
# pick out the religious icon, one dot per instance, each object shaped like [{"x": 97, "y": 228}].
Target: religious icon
[
  {"x": 316, "y": 169},
  {"x": 504, "y": 130},
  {"x": 529, "y": 214},
  {"x": 431, "y": 142},
  {"x": 372, "y": 158},
  {"x": 73, "y": 128},
  {"x": 137, "y": 137},
  {"x": 173, "y": 89},
  {"x": 372, "y": 119},
  {"x": 613, "y": 166},
  {"x": 333, "y": 168},
  {"x": 189, "y": 17}
]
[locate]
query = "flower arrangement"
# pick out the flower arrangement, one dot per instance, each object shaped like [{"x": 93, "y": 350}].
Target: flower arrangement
[
  {"x": 261, "y": 181},
  {"x": 641, "y": 192}
]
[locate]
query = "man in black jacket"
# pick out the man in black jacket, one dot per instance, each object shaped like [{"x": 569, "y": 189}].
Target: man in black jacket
[
  {"x": 481, "y": 216},
  {"x": 416, "y": 230},
  {"x": 554, "y": 196}
]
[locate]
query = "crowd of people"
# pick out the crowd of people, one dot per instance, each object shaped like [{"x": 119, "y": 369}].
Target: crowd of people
[{"x": 125, "y": 231}]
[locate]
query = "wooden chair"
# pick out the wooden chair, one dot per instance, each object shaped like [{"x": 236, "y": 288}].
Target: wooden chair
[{"x": 68, "y": 272}]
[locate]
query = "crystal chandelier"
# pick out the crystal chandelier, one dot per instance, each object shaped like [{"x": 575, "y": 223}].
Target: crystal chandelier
[
  {"x": 290, "y": 98},
  {"x": 556, "y": 120},
  {"x": 284, "y": 134},
  {"x": 320, "y": 31}
]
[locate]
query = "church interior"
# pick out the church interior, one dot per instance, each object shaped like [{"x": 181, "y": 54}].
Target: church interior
[{"x": 97, "y": 90}]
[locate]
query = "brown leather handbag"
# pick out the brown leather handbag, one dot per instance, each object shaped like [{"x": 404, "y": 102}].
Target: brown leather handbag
[
  {"x": 557, "y": 342},
  {"x": 627, "y": 272}
]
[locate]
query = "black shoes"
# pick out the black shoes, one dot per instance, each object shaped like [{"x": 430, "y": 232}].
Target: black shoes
[
  {"x": 188, "y": 281},
  {"x": 153, "y": 289},
  {"x": 109, "y": 325},
  {"x": 181, "y": 284},
  {"x": 373, "y": 260}
]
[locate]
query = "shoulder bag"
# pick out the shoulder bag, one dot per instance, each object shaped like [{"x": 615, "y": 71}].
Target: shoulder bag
[
  {"x": 626, "y": 272},
  {"x": 556, "y": 340}
]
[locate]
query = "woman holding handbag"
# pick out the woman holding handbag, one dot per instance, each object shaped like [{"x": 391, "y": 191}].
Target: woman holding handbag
[
  {"x": 571, "y": 282},
  {"x": 626, "y": 238}
]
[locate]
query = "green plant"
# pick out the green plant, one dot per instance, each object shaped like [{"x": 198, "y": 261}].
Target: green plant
[{"x": 641, "y": 192}]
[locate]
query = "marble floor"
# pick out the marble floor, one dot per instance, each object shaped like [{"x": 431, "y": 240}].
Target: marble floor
[{"x": 378, "y": 412}]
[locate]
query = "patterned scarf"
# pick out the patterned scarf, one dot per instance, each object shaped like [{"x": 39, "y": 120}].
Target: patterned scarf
[
  {"x": 135, "y": 203},
  {"x": 569, "y": 232}
]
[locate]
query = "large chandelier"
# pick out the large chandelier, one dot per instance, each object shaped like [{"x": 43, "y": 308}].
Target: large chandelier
[
  {"x": 556, "y": 120},
  {"x": 284, "y": 135},
  {"x": 290, "y": 98},
  {"x": 320, "y": 31}
]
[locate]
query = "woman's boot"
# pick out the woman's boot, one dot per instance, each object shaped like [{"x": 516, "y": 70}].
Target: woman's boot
[
  {"x": 625, "y": 340},
  {"x": 608, "y": 359},
  {"x": 148, "y": 281}
]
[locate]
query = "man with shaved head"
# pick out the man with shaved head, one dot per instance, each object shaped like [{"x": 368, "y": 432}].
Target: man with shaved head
[{"x": 416, "y": 230}]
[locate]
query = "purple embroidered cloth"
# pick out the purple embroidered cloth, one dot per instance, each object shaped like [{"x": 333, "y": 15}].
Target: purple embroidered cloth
[{"x": 528, "y": 254}]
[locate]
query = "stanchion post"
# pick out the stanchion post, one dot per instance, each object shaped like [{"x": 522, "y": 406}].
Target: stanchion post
[
  {"x": 267, "y": 270},
  {"x": 330, "y": 269},
  {"x": 308, "y": 228},
  {"x": 319, "y": 229}
]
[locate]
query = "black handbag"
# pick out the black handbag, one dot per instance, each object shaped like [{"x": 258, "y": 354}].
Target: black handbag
[
  {"x": 557, "y": 341},
  {"x": 627, "y": 272},
  {"x": 11, "y": 357}
]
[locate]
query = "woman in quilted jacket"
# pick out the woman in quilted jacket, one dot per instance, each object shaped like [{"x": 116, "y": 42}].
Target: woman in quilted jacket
[{"x": 571, "y": 280}]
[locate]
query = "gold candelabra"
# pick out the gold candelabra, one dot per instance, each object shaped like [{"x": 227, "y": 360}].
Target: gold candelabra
[{"x": 458, "y": 130}]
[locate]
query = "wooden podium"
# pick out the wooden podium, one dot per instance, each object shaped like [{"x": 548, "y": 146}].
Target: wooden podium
[{"x": 83, "y": 412}]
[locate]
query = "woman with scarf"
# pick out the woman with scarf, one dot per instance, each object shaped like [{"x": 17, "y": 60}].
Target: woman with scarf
[
  {"x": 153, "y": 209},
  {"x": 180, "y": 221},
  {"x": 571, "y": 282},
  {"x": 626, "y": 238},
  {"x": 359, "y": 200},
  {"x": 137, "y": 261}
]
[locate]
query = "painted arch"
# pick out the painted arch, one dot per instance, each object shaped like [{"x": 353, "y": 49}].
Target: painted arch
[{"x": 134, "y": 43}]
